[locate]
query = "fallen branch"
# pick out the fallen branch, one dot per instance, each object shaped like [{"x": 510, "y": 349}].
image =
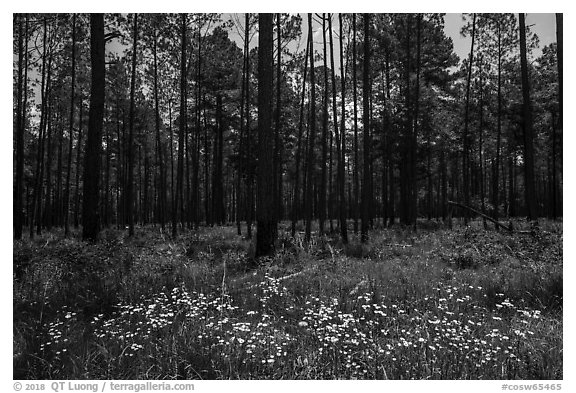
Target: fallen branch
[{"x": 495, "y": 222}]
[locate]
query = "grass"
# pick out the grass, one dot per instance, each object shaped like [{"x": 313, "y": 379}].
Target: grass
[{"x": 436, "y": 304}]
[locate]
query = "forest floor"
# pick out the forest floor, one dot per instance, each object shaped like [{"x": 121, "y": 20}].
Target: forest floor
[{"x": 466, "y": 303}]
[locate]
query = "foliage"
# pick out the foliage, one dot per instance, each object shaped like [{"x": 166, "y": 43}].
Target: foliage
[{"x": 407, "y": 307}]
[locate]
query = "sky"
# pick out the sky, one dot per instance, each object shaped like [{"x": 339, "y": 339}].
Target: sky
[{"x": 544, "y": 25}]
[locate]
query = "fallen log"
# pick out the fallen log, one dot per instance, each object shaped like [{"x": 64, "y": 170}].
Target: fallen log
[{"x": 495, "y": 222}]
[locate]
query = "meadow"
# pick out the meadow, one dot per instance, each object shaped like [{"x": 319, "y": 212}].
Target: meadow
[{"x": 465, "y": 303}]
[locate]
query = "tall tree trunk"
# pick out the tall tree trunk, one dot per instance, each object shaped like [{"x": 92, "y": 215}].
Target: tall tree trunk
[
  {"x": 250, "y": 177},
  {"x": 90, "y": 211},
  {"x": 19, "y": 129},
  {"x": 389, "y": 148},
  {"x": 465, "y": 138},
  {"x": 296, "y": 192},
  {"x": 406, "y": 141},
  {"x": 480, "y": 155},
  {"x": 107, "y": 204},
  {"x": 559, "y": 129},
  {"x": 196, "y": 168},
  {"x": 342, "y": 155},
  {"x": 78, "y": 158},
  {"x": 181, "y": 132},
  {"x": 217, "y": 186},
  {"x": 312, "y": 133},
  {"x": 159, "y": 149},
  {"x": 130, "y": 180},
  {"x": 70, "y": 130},
  {"x": 266, "y": 220},
  {"x": 323, "y": 167},
  {"x": 367, "y": 92},
  {"x": 241, "y": 169},
  {"x": 414, "y": 136},
  {"x": 356, "y": 204},
  {"x": 48, "y": 216},
  {"x": 277, "y": 131},
  {"x": 40, "y": 151},
  {"x": 172, "y": 184},
  {"x": 495, "y": 187},
  {"x": 530, "y": 188}
]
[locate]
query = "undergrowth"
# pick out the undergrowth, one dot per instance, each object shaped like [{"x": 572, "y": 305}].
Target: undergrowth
[{"x": 435, "y": 304}]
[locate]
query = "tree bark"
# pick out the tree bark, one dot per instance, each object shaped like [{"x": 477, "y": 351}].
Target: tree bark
[
  {"x": 181, "y": 132},
  {"x": 356, "y": 204},
  {"x": 312, "y": 133},
  {"x": 530, "y": 188},
  {"x": 70, "y": 130},
  {"x": 465, "y": 154},
  {"x": 90, "y": 211},
  {"x": 296, "y": 193},
  {"x": 130, "y": 180},
  {"x": 19, "y": 128},
  {"x": 367, "y": 92},
  {"x": 342, "y": 156},
  {"x": 266, "y": 219},
  {"x": 159, "y": 149}
]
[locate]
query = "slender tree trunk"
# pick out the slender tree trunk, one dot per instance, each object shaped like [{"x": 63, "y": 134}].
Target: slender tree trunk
[
  {"x": 266, "y": 220},
  {"x": 414, "y": 136},
  {"x": 356, "y": 204},
  {"x": 406, "y": 140},
  {"x": 250, "y": 177},
  {"x": 40, "y": 152},
  {"x": 46, "y": 128},
  {"x": 277, "y": 131},
  {"x": 48, "y": 216},
  {"x": 296, "y": 196},
  {"x": 130, "y": 180},
  {"x": 70, "y": 130},
  {"x": 181, "y": 133},
  {"x": 78, "y": 158},
  {"x": 19, "y": 129},
  {"x": 241, "y": 170},
  {"x": 495, "y": 188},
  {"x": 367, "y": 92},
  {"x": 530, "y": 188},
  {"x": 172, "y": 184},
  {"x": 90, "y": 211},
  {"x": 217, "y": 186},
  {"x": 249, "y": 182},
  {"x": 480, "y": 155},
  {"x": 107, "y": 203},
  {"x": 312, "y": 133},
  {"x": 196, "y": 169},
  {"x": 559, "y": 129},
  {"x": 159, "y": 149},
  {"x": 58, "y": 198},
  {"x": 466, "y": 153},
  {"x": 342, "y": 155},
  {"x": 323, "y": 167}
]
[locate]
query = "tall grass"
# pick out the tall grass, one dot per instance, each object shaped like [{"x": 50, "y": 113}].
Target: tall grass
[{"x": 462, "y": 304}]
